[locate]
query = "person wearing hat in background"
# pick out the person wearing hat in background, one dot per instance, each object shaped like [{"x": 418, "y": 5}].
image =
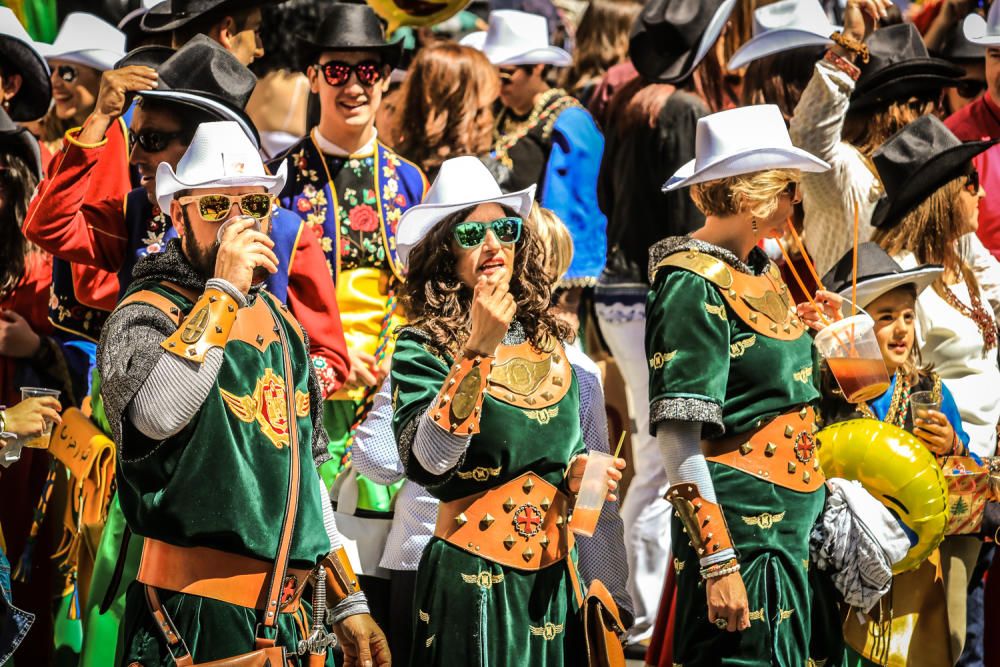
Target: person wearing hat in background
[
  {"x": 914, "y": 612},
  {"x": 932, "y": 198},
  {"x": 545, "y": 136},
  {"x": 731, "y": 389},
  {"x": 26, "y": 88},
  {"x": 191, "y": 418},
  {"x": 135, "y": 36},
  {"x": 235, "y": 24},
  {"x": 848, "y": 109},
  {"x": 971, "y": 58},
  {"x": 478, "y": 295},
  {"x": 650, "y": 133},
  {"x": 350, "y": 189}
]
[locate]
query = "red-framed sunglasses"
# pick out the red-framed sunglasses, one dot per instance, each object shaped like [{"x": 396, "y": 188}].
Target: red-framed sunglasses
[{"x": 337, "y": 73}]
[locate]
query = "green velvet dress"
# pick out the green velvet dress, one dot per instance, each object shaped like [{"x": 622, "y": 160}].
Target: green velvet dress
[
  {"x": 707, "y": 365},
  {"x": 505, "y": 616}
]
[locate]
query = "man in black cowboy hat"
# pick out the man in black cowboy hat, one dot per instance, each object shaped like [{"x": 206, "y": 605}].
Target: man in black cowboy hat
[
  {"x": 24, "y": 76},
  {"x": 235, "y": 24},
  {"x": 351, "y": 190}
]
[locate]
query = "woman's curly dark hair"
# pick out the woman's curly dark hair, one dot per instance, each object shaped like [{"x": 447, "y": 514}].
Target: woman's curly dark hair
[{"x": 438, "y": 303}]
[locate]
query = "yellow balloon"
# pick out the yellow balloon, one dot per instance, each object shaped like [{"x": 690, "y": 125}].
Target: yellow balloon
[
  {"x": 895, "y": 467},
  {"x": 416, "y": 12}
]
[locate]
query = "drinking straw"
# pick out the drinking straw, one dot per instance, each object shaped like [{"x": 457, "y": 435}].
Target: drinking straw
[
  {"x": 621, "y": 441},
  {"x": 805, "y": 255},
  {"x": 854, "y": 268},
  {"x": 802, "y": 285}
]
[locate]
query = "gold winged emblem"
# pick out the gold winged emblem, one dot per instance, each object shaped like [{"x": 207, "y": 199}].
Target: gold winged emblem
[
  {"x": 764, "y": 520},
  {"x": 774, "y": 307},
  {"x": 521, "y": 376},
  {"x": 484, "y": 579},
  {"x": 548, "y": 631},
  {"x": 267, "y": 406}
]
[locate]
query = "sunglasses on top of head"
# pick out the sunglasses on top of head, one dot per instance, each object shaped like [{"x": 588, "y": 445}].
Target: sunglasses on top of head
[
  {"x": 337, "y": 73},
  {"x": 472, "y": 234}
]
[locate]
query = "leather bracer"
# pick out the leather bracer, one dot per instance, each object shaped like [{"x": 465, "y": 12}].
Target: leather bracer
[
  {"x": 207, "y": 326},
  {"x": 340, "y": 578},
  {"x": 459, "y": 404},
  {"x": 702, "y": 520}
]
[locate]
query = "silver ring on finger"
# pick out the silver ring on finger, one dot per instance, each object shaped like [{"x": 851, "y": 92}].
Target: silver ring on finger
[{"x": 721, "y": 623}]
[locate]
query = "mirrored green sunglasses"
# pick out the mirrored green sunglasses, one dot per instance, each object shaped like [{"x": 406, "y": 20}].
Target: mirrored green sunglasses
[{"x": 471, "y": 234}]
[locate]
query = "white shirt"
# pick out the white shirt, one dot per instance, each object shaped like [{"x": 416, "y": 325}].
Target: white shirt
[{"x": 329, "y": 148}]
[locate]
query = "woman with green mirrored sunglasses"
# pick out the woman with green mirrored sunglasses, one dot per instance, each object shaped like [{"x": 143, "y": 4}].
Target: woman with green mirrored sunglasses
[{"x": 471, "y": 234}]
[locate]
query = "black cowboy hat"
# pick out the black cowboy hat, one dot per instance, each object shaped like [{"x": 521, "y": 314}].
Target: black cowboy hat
[
  {"x": 149, "y": 56},
  {"x": 670, "y": 37},
  {"x": 204, "y": 75},
  {"x": 900, "y": 67},
  {"x": 18, "y": 141},
  {"x": 16, "y": 48},
  {"x": 915, "y": 162},
  {"x": 350, "y": 27},
  {"x": 173, "y": 14},
  {"x": 878, "y": 273},
  {"x": 957, "y": 49}
]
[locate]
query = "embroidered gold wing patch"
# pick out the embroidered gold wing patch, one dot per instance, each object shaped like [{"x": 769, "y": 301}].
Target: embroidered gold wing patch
[
  {"x": 430, "y": 640},
  {"x": 757, "y": 615},
  {"x": 301, "y": 403},
  {"x": 739, "y": 348},
  {"x": 679, "y": 565},
  {"x": 785, "y": 614},
  {"x": 660, "y": 359},
  {"x": 485, "y": 580},
  {"x": 479, "y": 473},
  {"x": 423, "y": 616},
  {"x": 764, "y": 520},
  {"x": 718, "y": 311},
  {"x": 803, "y": 375},
  {"x": 543, "y": 416},
  {"x": 242, "y": 407},
  {"x": 267, "y": 406},
  {"x": 548, "y": 631}
]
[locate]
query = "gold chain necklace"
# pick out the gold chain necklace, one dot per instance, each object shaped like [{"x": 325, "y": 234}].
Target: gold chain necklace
[{"x": 507, "y": 131}]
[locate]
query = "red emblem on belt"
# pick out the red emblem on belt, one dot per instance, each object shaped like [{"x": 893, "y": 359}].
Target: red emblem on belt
[
  {"x": 805, "y": 446},
  {"x": 527, "y": 520},
  {"x": 288, "y": 590}
]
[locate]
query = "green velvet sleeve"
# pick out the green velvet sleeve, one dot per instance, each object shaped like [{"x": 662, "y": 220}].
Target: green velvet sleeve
[{"x": 687, "y": 349}]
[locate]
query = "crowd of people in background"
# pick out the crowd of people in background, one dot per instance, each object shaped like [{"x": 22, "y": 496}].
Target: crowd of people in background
[{"x": 519, "y": 332}]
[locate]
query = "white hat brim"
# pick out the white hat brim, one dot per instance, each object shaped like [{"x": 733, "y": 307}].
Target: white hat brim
[
  {"x": 976, "y": 30},
  {"x": 873, "y": 288},
  {"x": 167, "y": 183},
  {"x": 748, "y": 162},
  {"x": 775, "y": 41},
  {"x": 418, "y": 220},
  {"x": 99, "y": 59},
  {"x": 550, "y": 55}
]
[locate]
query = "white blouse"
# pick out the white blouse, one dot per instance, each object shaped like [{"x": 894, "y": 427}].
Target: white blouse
[{"x": 953, "y": 344}]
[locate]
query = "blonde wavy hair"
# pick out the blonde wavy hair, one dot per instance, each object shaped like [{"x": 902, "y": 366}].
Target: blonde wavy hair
[
  {"x": 755, "y": 193},
  {"x": 555, "y": 238}
]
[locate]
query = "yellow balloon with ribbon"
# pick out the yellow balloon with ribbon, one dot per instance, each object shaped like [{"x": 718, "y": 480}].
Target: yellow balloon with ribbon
[
  {"x": 416, "y": 13},
  {"x": 898, "y": 470}
]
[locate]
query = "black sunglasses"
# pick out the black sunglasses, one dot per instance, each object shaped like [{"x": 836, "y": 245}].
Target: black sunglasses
[
  {"x": 67, "y": 73},
  {"x": 153, "y": 141},
  {"x": 970, "y": 88},
  {"x": 337, "y": 73},
  {"x": 972, "y": 181}
]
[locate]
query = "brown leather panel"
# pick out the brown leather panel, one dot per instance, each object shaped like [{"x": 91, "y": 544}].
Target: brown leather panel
[
  {"x": 156, "y": 300},
  {"x": 783, "y": 452},
  {"x": 521, "y": 524},
  {"x": 231, "y": 578},
  {"x": 703, "y": 520},
  {"x": 254, "y": 326},
  {"x": 524, "y": 377},
  {"x": 340, "y": 578},
  {"x": 460, "y": 402},
  {"x": 207, "y": 325}
]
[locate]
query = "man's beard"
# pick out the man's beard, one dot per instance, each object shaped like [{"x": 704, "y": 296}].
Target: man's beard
[{"x": 202, "y": 258}]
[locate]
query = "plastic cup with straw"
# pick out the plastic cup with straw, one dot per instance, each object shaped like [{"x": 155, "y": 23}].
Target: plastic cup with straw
[{"x": 593, "y": 491}]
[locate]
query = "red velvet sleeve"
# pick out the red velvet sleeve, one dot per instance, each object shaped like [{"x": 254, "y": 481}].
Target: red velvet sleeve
[
  {"x": 69, "y": 218},
  {"x": 312, "y": 298}
]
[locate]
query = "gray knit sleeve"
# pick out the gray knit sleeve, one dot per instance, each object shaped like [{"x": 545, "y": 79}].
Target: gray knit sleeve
[{"x": 437, "y": 450}]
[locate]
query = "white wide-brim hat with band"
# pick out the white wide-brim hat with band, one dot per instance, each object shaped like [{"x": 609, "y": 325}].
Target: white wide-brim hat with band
[
  {"x": 984, "y": 32},
  {"x": 462, "y": 182},
  {"x": 86, "y": 40},
  {"x": 783, "y": 26},
  {"x": 220, "y": 155},
  {"x": 517, "y": 38},
  {"x": 742, "y": 141}
]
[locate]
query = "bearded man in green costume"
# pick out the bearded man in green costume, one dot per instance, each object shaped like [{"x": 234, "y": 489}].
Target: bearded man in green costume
[{"x": 215, "y": 410}]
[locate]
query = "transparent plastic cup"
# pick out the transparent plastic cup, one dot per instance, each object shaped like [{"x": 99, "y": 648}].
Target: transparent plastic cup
[
  {"x": 260, "y": 273},
  {"x": 855, "y": 359},
  {"x": 921, "y": 402},
  {"x": 40, "y": 441},
  {"x": 593, "y": 491}
]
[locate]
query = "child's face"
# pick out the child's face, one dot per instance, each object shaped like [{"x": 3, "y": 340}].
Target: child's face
[{"x": 894, "y": 314}]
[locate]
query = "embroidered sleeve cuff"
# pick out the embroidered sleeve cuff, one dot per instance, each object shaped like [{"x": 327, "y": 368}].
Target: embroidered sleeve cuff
[
  {"x": 353, "y": 604},
  {"x": 688, "y": 410},
  {"x": 207, "y": 326}
]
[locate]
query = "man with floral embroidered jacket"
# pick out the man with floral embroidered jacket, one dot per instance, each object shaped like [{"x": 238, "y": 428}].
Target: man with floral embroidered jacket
[
  {"x": 351, "y": 191},
  {"x": 214, "y": 405},
  {"x": 200, "y": 82}
]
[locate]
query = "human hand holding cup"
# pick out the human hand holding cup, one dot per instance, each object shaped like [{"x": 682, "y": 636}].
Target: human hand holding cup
[
  {"x": 246, "y": 254},
  {"x": 39, "y": 406},
  {"x": 853, "y": 354},
  {"x": 930, "y": 424},
  {"x": 593, "y": 477}
]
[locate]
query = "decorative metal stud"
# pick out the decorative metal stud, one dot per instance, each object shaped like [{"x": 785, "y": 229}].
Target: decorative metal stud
[
  {"x": 486, "y": 521},
  {"x": 528, "y": 485},
  {"x": 192, "y": 351},
  {"x": 529, "y": 400},
  {"x": 509, "y": 397},
  {"x": 218, "y": 329},
  {"x": 753, "y": 316},
  {"x": 556, "y": 358},
  {"x": 172, "y": 344},
  {"x": 815, "y": 464},
  {"x": 746, "y": 448},
  {"x": 213, "y": 299},
  {"x": 789, "y": 431},
  {"x": 791, "y": 467},
  {"x": 557, "y": 381},
  {"x": 230, "y": 308},
  {"x": 174, "y": 310},
  {"x": 544, "y": 541},
  {"x": 260, "y": 339},
  {"x": 437, "y": 416},
  {"x": 806, "y": 476},
  {"x": 509, "y": 505},
  {"x": 546, "y": 503},
  {"x": 803, "y": 412},
  {"x": 560, "y": 520},
  {"x": 732, "y": 293},
  {"x": 528, "y": 554},
  {"x": 770, "y": 449},
  {"x": 774, "y": 328},
  {"x": 508, "y": 542},
  {"x": 461, "y": 519},
  {"x": 444, "y": 400},
  {"x": 547, "y": 395},
  {"x": 787, "y": 328}
]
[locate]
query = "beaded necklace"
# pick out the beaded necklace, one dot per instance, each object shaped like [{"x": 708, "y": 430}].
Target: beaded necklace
[
  {"x": 508, "y": 131},
  {"x": 899, "y": 406},
  {"x": 984, "y": 319}
]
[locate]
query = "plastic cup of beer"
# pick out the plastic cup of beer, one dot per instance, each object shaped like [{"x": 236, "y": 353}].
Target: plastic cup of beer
[
  {"x": 921, "y": 402},
  {"x": 259, "y": 274},
  {"x": 40, "y": 441},
  {"x": 852, "y": 352},
  {"x": 593, "y": 491}
]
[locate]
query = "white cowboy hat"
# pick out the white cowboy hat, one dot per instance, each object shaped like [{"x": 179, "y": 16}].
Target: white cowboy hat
[
  {"x": 86, "y": 40},
  {"x": 783, "y": 26},
  {"x": 517, "y": 38},
  {"x": 462, "y": 182},
  {"x": 220, "y": 155},
  {"x": 984, "y": 32},
  {"x": 742, "y": 141}
]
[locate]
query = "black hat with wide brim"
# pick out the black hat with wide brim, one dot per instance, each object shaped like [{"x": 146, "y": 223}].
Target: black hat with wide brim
[
  {"x": 18, "y": 141},
  {"x": 671, "y": 37},
  {"x": 204, "y": 75},
  {"x": 915, "y": 162},
  {"x": 16, "y": 48},
  {"x": 878, "y": 274},
  {"x": 899, "y": 67},
  {"x": 148, "y": 56},
  {"x": 350, "y": 27},
  {"x": 173, "y": 14}
]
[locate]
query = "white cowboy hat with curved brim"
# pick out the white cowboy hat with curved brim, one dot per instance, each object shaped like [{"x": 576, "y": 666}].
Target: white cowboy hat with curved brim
[
  {"x": 783, "y": 26},
  {"x": 517, "y": 38},
  {"x": 984, "y": 32},
  {"x": 463, "y": 182},
  {"x": 742, "y": 141},
  {"x": 220, "y": 155},
  {"x": 85, "y": 39}
]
